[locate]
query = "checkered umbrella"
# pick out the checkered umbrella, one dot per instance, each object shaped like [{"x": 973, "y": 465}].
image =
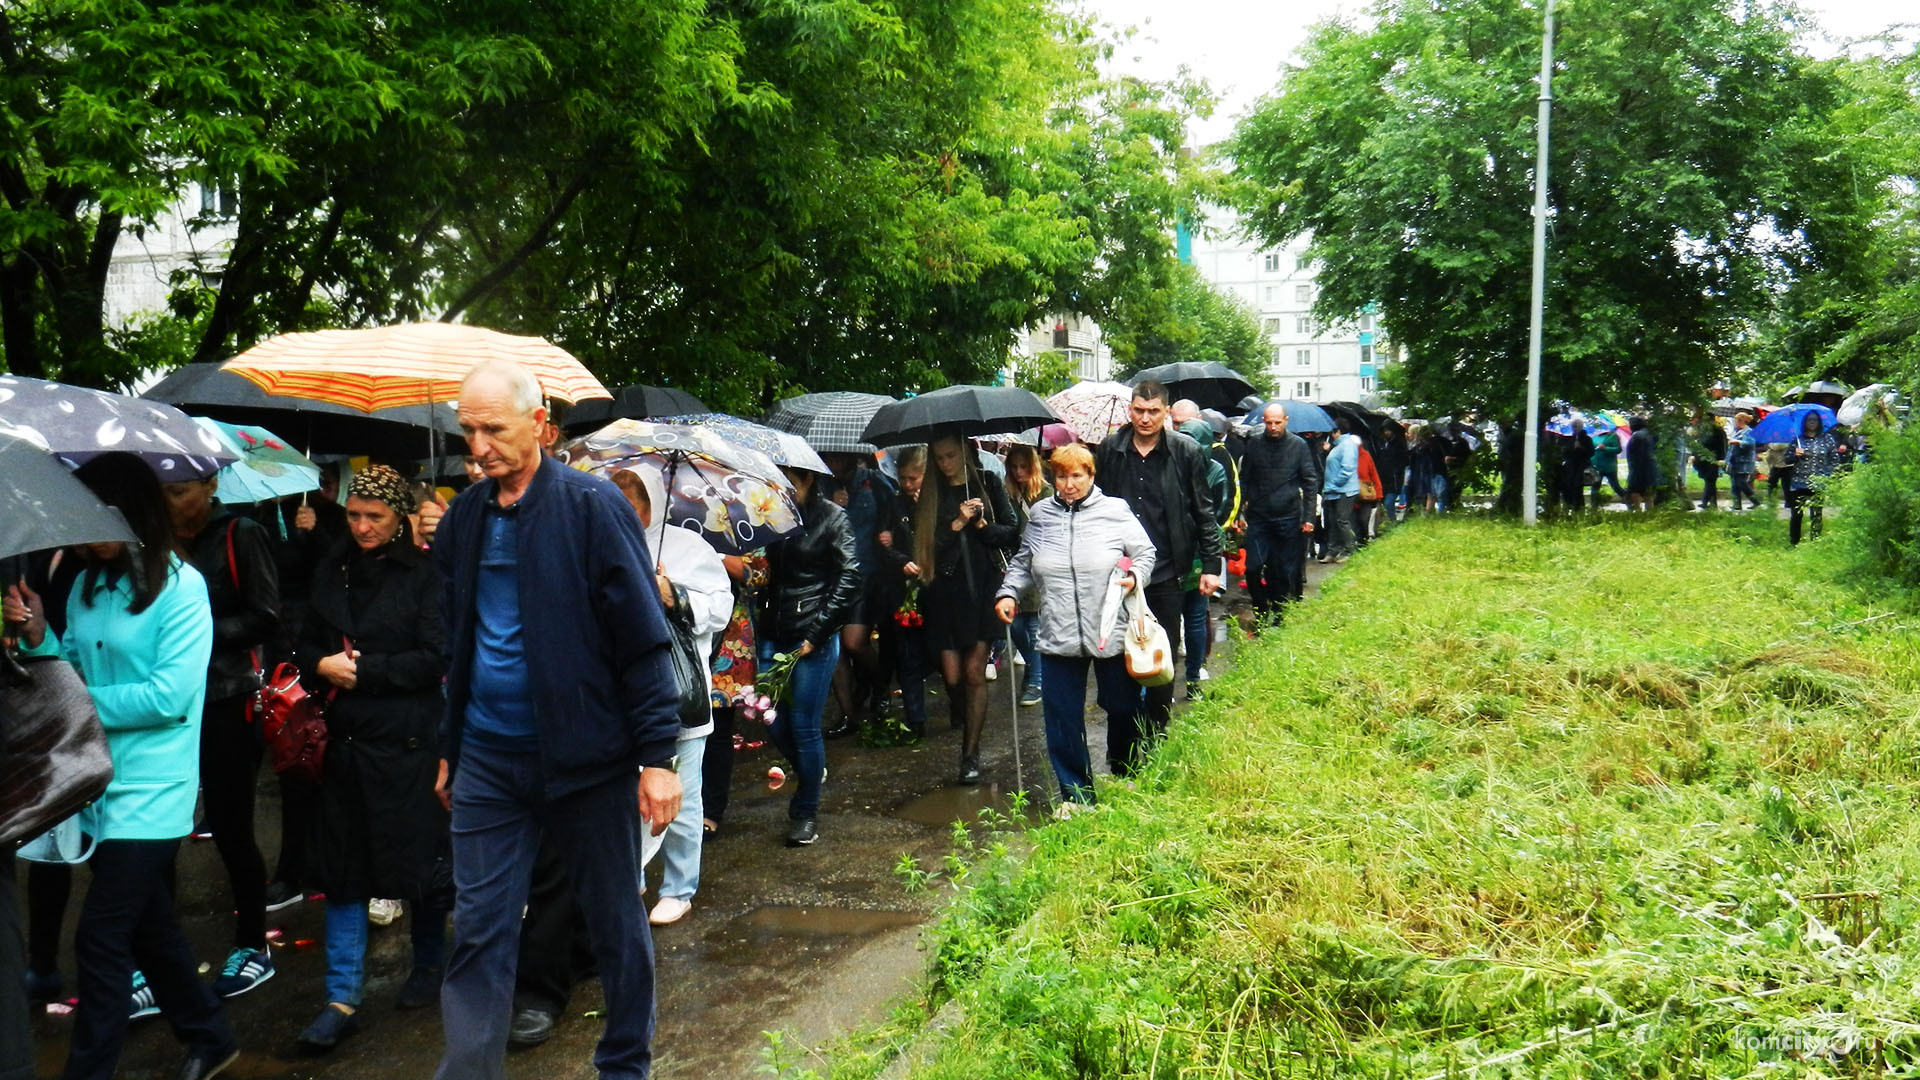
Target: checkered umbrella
[{"x": 832, "y": 423}]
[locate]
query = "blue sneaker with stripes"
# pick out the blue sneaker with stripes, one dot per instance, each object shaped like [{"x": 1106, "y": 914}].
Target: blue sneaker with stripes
[{"x": 244, "y": 970}]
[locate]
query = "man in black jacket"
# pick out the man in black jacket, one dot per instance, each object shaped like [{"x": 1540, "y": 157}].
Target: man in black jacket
[
  {"x": 1281, "y": 477},
  {"x": 1164, "y": 481},
  {"x": 560, "y": 687}
]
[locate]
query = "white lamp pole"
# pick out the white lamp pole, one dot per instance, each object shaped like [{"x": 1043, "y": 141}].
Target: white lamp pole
[{"x": 1530, "y": 479}]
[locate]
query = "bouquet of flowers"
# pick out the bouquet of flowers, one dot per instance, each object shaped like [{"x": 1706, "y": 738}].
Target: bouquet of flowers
[
  {"x": 761, "y": 700},
  {"x": 908, "y": 614}
]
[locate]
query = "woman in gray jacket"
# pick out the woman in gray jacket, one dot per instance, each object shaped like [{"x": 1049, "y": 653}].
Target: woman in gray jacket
[{"x": 1074, "y": 542}]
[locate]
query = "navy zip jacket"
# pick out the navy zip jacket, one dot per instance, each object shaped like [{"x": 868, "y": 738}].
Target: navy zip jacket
[{"x": 595, "y": 635}]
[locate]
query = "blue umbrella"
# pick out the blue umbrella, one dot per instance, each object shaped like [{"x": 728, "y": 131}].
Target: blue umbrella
[
  {"x": 268, "y": 468},
  {"x": 1301, "y": 416},
  {"x": 1783, "y": 425}
]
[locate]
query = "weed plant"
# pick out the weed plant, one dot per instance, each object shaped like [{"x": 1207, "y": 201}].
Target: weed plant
[{"x": 1624, "y": 798}]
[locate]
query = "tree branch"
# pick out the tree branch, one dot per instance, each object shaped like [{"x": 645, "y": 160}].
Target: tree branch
[{"x": 535, "y": 240}]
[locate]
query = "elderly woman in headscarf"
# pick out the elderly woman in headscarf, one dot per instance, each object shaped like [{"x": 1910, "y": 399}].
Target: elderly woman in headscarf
[
  {"x": 698, "y": 595},
  {"x": 373, "y": 647}
]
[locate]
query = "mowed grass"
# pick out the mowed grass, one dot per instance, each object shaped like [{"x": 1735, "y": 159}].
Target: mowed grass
[{"x": 1633, "y": 798}]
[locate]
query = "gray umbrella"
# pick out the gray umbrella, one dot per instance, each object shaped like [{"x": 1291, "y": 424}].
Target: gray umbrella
[
  {"x": 832, "y": 423},
  {"x": 76, "y": 424},
  {"x": 43, "y": 506}
]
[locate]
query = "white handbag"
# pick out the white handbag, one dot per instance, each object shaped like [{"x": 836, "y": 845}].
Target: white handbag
[
  {"x": 70, "y": 842},
  {"x": 1149, "y": 654}
]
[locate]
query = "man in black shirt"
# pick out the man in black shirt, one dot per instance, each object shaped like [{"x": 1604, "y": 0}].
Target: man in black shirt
[
  {"x": 1281, "y": 477},
  {"x": 1164, "y": 481}
]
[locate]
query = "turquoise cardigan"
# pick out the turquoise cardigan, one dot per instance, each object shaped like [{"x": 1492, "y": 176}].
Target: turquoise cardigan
[{"x": 148, "y": 677}]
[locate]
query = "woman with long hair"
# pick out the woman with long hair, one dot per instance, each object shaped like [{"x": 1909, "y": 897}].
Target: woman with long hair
[
  {"x": 139, "y": 630},
  {"x": 963, "y": 524},
  {"x": 903, "y": 634},
  {"x": 373, "y": 645},
  {"x": 1026, "y": 486}
]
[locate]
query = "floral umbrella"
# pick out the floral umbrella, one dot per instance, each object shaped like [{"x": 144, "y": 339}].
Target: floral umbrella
[
  {"x": 268, "y": 468},
  {"x": 781, "y": 447},
  {"x": 1093, "y": 410},
  {"x": 735, "y": 497}
]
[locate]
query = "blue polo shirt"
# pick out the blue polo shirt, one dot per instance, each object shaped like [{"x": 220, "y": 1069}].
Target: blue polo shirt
[{"x": 500, "y": 704}]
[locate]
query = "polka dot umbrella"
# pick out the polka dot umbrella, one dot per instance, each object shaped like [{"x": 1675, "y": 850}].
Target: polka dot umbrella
[{"x": 75, "y": 424}]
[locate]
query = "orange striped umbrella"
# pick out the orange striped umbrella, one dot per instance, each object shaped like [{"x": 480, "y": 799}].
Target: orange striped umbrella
[{"x": 409, "y": 364}]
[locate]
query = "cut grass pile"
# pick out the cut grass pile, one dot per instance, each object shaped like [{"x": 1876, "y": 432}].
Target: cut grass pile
[{"x": 1633, "y": 798}]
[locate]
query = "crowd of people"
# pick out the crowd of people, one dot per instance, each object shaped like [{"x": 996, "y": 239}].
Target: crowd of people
[{"x": 503, "y": 674}]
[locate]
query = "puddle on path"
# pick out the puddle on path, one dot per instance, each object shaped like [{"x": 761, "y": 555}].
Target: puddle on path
[
  {"x": 944, "y": 806},
  {"x": 782, "y": 919}
]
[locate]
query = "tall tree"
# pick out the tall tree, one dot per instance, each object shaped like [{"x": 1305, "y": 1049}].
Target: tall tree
[{"x": 1694, "y": 175}]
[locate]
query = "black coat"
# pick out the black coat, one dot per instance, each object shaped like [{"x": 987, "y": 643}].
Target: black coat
[
  {"x": 378, "y": 824},
  {"x": 1281, "y": 477},
  {"x": 814, "y": 578},
  {"x": 246, "y": 615},
  {"x": 1189, "y": 505}
]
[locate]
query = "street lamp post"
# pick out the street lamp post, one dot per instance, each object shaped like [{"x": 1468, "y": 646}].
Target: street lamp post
[{"x": 1530, "y": 479}]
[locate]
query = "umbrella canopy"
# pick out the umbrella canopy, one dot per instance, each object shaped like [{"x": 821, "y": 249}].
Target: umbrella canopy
[
  {"x": 1876, "y": 399},
  {"x": 832, "y": 423},
  {"x": 1209, "y": 384},
  {"x": 781, "y": 447},
  {"x": 1093, "y": 410},
  {"x": 637, "y": 402},
  {"x": 407, "y": 364},
  {"x": 317, "y": 427},
  {"x": 735, "y": 497},
  {"x": 1302, "y": 416},
  {"x": 1824, "y": 388},
  {"x": 960, "y": 411},
  {"x": 43, "y": 506},
  {"x": 1565, "y": 423},
  {"x": 267, "y": 467},
  {"x": 1784, "y": 425},
  {"x": 77, "y": 424}
]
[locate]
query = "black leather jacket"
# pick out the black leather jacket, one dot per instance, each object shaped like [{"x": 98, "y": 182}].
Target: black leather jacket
[
  {"x": 246, "y": 613},
  {"x": 815, "y": 578}
]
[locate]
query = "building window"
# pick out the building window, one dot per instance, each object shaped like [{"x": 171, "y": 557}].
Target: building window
[
  {"x": 209, "y": 199},
  {"x": 1366, "y": 384},
  {"x": 1303, "y": 264},
  {"x": 1271, "y": 326},
  {"x": 1366, "y": 354},
  {"x": 1304, "y": 357},
  {"x": 1366, "y": 322},
  {"x": 1303, "y": 390},
  {"x": 1303, "y": 294},
  {"x": 1304, "y": 326},
  {"x": 1272, "y": 264},
  {"x": 1272, "y": 291}
]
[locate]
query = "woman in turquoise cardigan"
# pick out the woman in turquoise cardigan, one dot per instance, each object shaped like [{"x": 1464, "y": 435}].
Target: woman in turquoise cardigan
[{"x": 139, "y": 631}]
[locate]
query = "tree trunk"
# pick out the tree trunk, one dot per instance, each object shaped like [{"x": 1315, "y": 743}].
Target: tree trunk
[{"x": 535, "y": 240}]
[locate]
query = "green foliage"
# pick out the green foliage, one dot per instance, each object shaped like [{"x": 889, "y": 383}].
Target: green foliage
[
  {"x": 1695, "y": 172},
  {"x": 1546, "y": 810},
  {"x": 1193, "y": 321},
  {"x": 1045, "y": 373},
  {"x": 1879, "y": 525}
]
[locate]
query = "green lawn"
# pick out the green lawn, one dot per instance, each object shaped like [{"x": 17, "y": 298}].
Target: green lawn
[{"x": 1632, "y": 798}]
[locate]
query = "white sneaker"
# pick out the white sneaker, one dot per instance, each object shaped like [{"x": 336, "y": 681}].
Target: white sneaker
[
  {"x": 383, "y": 912},
  {"x": 670, "y": 910},
  {"x": 1205, "y": 675},
  {"x": 993, "y": 672},
  {"x": 1019, "y": 660}
]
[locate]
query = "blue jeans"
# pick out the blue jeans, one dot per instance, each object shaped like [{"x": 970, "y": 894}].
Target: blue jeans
[
  {"x": 347, "y": 946},
  {"x": 500, "y": 811},
  {"x": 1024, "y": 625},
  {"x": 797, "y": 731},
  {"x": 680, "y": 847},
  {"x": 1063, "y": 707},
  {"x": 1194, "y": 614}
]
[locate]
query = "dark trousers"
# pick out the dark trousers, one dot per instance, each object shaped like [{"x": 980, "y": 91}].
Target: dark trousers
[
  {"x": 500, "y": 810},
  {"x": 716, "y": 765},
  {"x": 229, "y": 773},
  {"x": 1063, "y": 707},
  {"x": 555, "y": 952},
  {"x": 1130, "y": 736},
  {"x": 1782, "y": 478},
  {"x": 1807, "y": 501},
  {"x": 1276, "y": 563},
  {"x": 1742, "y": 484},
  {"x": 1710, "y": 477},
  {"x": 16, "y": 1038},
  {"x": 127, "y": 923},
  {"x": 49, "y": 886},
  {"x": 299, "y": 801}
]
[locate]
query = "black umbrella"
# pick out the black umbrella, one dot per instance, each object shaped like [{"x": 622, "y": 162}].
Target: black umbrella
[
  {"x": 1365, "y": 423},
  {"x": 1208, "y": 384},
  {"x": 76, "y": 424},
  {"x": 316, "y": 427},
  {"x": 961, "y": 411},
  {"x": 43, "y": 506},
  {"x": 831, "y": 422},
  {"x": 632, "y": 403}
]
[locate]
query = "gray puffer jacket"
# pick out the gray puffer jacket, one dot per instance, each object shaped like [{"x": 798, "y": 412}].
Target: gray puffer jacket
[{"x": 1068, "y": 555}]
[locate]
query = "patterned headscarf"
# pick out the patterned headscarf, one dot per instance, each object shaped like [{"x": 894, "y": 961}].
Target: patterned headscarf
[{"x": 382, "y": 483}]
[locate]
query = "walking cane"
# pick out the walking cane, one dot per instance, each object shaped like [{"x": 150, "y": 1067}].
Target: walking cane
[{"x": 1013, "y": 696}]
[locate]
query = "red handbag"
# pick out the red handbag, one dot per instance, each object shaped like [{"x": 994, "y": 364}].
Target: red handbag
[{"x": 293, "y": 723}]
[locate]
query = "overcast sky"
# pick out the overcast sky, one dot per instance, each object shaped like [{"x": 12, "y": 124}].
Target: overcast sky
[{"x": 1238, "y": 46}]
